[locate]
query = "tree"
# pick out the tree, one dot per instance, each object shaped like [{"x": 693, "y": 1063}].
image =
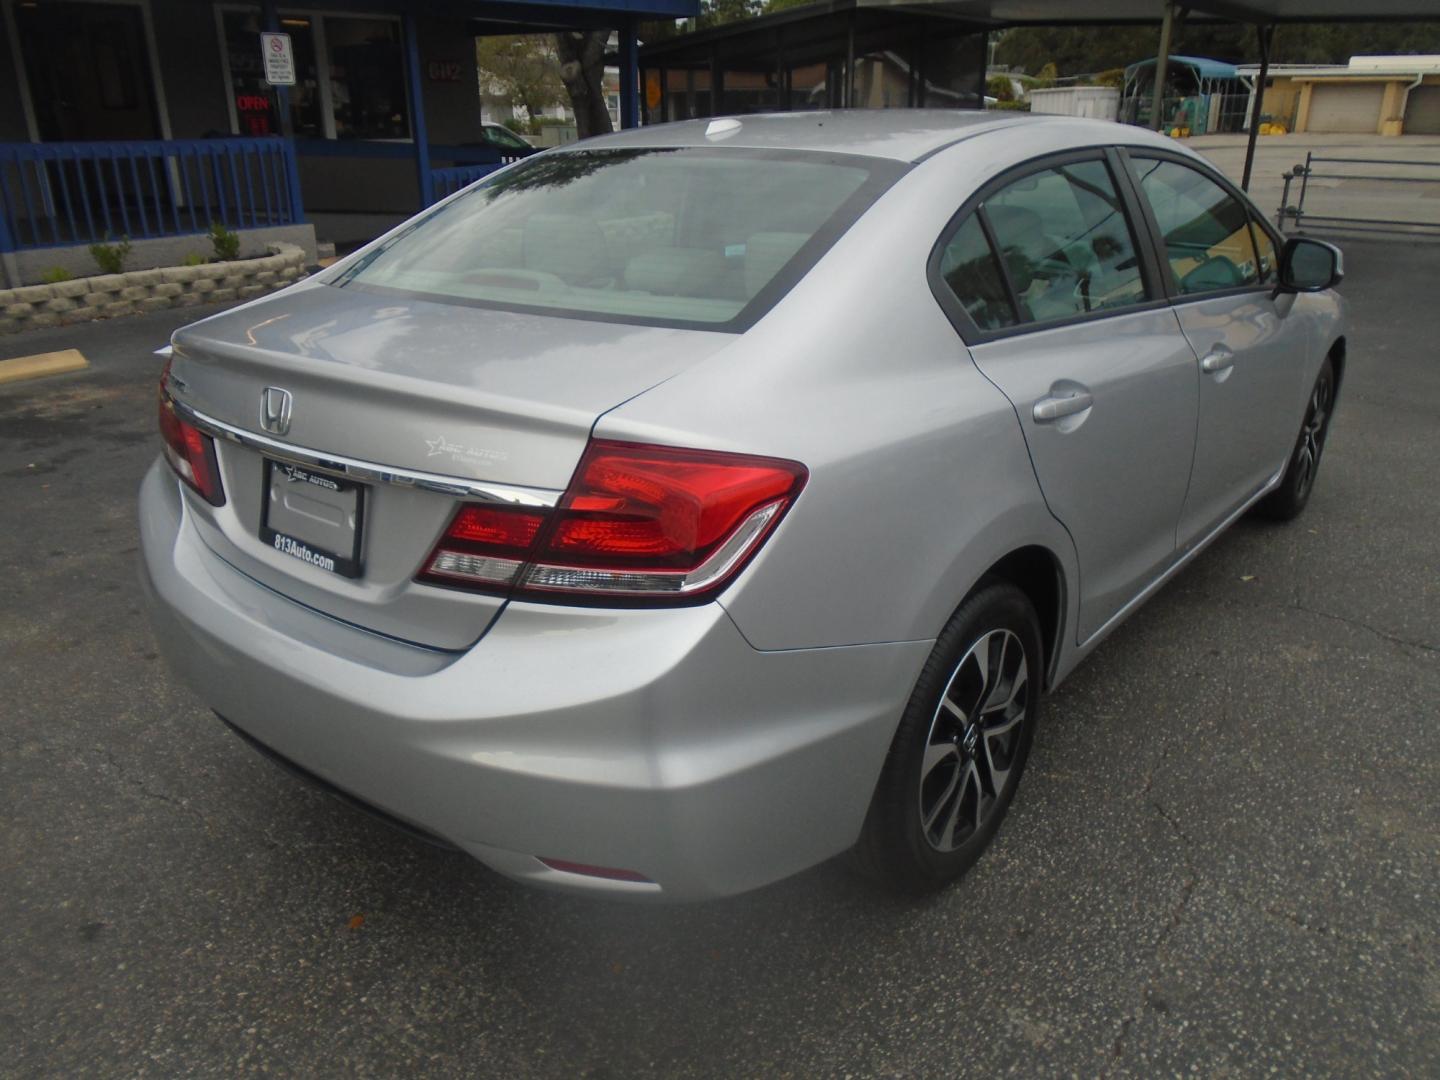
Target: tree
[
  {"x": 582, "y": 70},
  {"x": 720, "y": 12},
  {"x": 784, "y": 5},
  {"x": 522, "y": 68}
]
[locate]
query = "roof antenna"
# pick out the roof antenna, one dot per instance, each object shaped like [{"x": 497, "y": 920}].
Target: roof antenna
[{"x": 719, "y": 129}]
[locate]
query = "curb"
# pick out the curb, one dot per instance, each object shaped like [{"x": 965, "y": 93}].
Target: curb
[{"x": 42, "y": 364}]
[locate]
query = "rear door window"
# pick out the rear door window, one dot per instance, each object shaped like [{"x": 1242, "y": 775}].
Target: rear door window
[
  {"x": 1066, "y": 242},
  {"x": 1205, "y": 229},
  {"x": 972, "y": 272},
  {"x": 1062, "y": 249}
]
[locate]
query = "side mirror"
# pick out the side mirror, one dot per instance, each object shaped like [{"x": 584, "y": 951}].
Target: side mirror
[
  {"x": 1310, "y": 265},
  {"x": 1216, "y": 272}
]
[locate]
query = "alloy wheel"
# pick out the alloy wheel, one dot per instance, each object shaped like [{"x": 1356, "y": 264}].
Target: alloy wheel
[
  {"x": 974, "y": 740},
  {"x": 1312, "y": 434}
]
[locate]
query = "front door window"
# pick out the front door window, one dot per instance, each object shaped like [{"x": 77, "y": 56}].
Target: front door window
[{"x": 1206, "y": 230}]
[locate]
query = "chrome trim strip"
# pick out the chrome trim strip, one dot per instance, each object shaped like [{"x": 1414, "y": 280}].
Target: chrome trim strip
[{"x": 370, "y": 471}]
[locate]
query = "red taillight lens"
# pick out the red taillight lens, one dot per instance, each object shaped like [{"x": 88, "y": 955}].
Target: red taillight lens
[
  {"x": 609, "y": 873},
  {"x": 189, "y": 450},
  {"x": 657, "y": 523},
  {"x": 484, "y": 547}
]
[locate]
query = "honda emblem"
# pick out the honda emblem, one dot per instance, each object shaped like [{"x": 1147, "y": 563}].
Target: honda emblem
[{"x": 275, "y": 410}]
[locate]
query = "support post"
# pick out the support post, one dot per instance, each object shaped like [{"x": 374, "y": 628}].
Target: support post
[
  {"x": 1267, "y": 35},
  {"x": 717, "y": 81},
  {"x": 292, "y": 179},
  {"x": 850, "y": 62},
  {"x": 417, "y": 110},
  {"x": 629, "y": 78},
  {"x": 917, "y": 80},
  {"x": 984, "y": 86},
  {"x": 9, "y": 265},
  {"x": 1162, "y": 68},
  {"x": 782, "y": 99}
]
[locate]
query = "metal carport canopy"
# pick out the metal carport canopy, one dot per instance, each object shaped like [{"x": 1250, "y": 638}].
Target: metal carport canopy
[
  {"x": 1262, "y": 12},
  {"x": 1265, "y": 15}
]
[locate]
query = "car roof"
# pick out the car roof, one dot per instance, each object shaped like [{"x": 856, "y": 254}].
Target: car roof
[{"x": 899, "y": 134}]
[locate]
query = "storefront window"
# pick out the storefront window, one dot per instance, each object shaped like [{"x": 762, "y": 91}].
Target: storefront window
[
  {"x": 362, "y": 63},
  {"x": 305, "y": 107},
  {"x": 367, "y": 81},
  {"x": 254, "y": 102},
  {"x": 90, "y": 76}
]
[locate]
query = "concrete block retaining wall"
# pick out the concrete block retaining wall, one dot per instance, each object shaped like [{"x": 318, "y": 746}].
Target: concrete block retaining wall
[{"x": 105, "y": 296}]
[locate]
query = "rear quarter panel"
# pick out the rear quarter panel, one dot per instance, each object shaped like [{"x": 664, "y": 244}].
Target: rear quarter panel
[{"x": 919, "y": 475}]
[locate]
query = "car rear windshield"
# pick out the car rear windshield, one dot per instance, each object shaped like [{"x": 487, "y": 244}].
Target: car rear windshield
[{"x": 707, "y": 237}]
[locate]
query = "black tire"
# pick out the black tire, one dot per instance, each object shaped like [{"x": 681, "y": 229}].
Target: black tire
[
  {"x": 904, "y": 843},
  {"x": 1287, "y": 500}
]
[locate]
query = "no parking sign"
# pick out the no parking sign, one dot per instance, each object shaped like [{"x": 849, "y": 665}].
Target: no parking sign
[{"x": 279, "y": 59}]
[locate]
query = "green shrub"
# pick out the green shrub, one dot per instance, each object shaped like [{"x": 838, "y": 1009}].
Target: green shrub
[
  {"x": 111, "y": 257},
  {"x": 1000, "y": 88},
  {"x": 195, "y": 259},
  {"x": 55, "y": 275},
  {"x": 225, "y": 242}
]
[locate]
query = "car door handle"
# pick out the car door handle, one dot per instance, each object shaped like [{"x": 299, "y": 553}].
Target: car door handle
[
  {"x": 1049, "y": 409},
  {"x": 1217, "y": 359}
]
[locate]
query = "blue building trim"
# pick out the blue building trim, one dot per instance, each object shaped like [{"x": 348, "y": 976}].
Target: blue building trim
[
  {"x": 629, "y": 76},
  {"x": 418, "y": 131}
]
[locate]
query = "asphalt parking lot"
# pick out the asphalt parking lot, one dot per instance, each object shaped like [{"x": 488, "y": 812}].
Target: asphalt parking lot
[{"x": 1224, "y": 859}]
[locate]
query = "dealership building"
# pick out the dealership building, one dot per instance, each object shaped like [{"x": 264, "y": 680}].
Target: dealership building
[{"x": 149, "y": 119}]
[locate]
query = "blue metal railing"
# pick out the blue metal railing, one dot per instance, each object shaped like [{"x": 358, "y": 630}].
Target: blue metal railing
[
  {"x": 401, "y": 148},
  {"x": 467, "y": 163},
  {"x": 59, "y": 193},
  {"x": 448, "y": 181}
]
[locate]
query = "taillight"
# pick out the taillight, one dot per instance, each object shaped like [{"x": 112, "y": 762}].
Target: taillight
[
  {"x": 651, "y": 524},
  {"x": 190, "y": 452},
  {"x": 609, "y": 873},
  {"x": 484, "y": 547}
]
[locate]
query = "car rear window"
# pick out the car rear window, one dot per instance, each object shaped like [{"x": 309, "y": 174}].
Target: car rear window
[{"x": 705, "y": 236}]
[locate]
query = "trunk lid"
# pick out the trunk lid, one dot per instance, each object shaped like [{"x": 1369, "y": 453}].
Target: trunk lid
[{"x": 445, "y": 389}]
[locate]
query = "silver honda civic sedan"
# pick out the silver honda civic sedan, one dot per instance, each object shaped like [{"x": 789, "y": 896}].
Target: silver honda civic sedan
[{"x": 664, "y": 515}]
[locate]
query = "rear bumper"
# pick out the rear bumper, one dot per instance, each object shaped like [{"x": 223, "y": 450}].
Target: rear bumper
[{"x": 653, "y": 741}]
